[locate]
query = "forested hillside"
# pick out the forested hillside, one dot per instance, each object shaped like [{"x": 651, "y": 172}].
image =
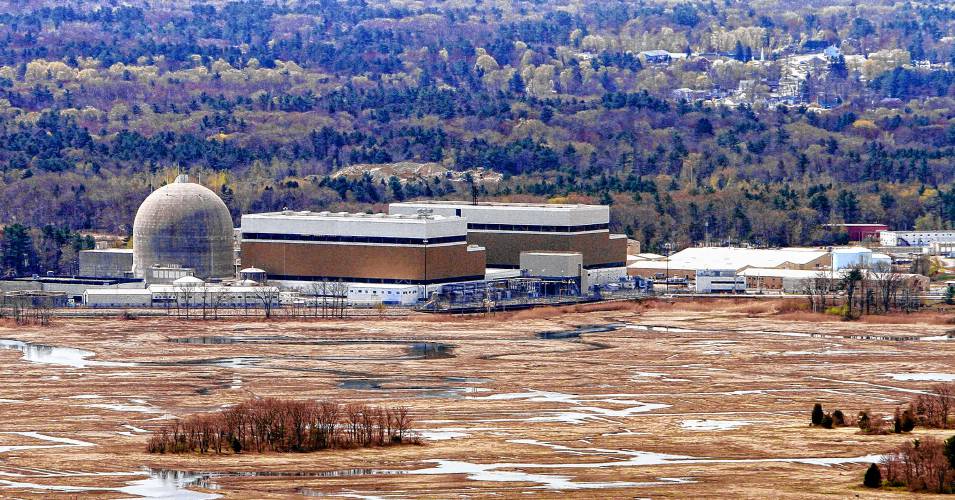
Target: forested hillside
[{"x": 736, "y": 121}]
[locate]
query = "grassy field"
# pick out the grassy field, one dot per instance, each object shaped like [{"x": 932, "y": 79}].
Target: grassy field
[{"x": 661, "y": 400}]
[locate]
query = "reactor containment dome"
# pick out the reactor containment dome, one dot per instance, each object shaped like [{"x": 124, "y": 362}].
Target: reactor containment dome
[{"x": 184, "y": 224}]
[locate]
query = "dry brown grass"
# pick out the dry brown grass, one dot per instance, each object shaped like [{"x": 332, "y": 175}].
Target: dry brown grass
[
  {"x": 543, "y": 312},
  {"x": 897, "y": 318}
]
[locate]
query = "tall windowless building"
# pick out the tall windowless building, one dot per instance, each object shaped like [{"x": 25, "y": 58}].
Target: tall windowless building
[
  {"x": 418, "y": 249},
  {"x": 507, "y": 229}
]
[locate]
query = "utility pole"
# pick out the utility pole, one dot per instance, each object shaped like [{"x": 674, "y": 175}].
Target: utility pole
[{"x": 667, "y": 246}]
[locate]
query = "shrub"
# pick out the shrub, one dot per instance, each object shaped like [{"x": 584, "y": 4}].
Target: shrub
[
  {"x": 827, "y": 421},
  {"x": 908, "y": 421},
  {"x": 837, "y": 310},
  {"x": 872, "y": 424},
  {"x": 838, "y": 418},
  {"x": 863, "y": 421},
  {"x": 873, "y": 477},
  {"x": 817, "y": 414}
]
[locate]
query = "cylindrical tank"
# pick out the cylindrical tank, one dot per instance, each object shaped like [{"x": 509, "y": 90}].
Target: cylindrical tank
[{"x": 184, "y": 224}]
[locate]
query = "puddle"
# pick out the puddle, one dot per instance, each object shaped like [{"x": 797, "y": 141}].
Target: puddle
[
  {"x": 360, "y": 384},
  {"x": 170, "y": 484},
  {"x": 430, "y": 350},
  {"x": 468, "y": 380},
  {"x": 158, "y": 484},
  {"x": 580, "y": 330},
  {"x": 60, "y": 356},
  {"x": 416, "y": 350}
]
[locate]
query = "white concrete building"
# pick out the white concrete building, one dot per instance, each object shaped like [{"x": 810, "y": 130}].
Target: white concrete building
[
  {"x": 719, "y": 281},
  {"x": 915, "y": 238},
  {"x": 844, "y": 258}
]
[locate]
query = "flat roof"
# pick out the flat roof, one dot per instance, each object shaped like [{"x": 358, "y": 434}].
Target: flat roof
[
  {"x": 355, "y": 224},
  {"x": 549, "y": 252},
  {"x": 76, "y": 280},
  {"x": 732, "y": 258},
  {"x": 308, "y": 215},
  {"x": 874, "y": 224},
  {"x": 108, "y": 250},
  {"x": 496, "y": 204},
  {"x": 117, "y": 291},
  {"x": 934, "y": 231}
]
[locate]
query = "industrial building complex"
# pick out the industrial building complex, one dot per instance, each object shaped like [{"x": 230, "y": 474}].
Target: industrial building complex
[
  {"x": 507, "y": 229},
  {"x": 186, "y": 252}
]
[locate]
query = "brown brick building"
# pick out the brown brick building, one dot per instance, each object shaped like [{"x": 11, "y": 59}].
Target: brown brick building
[
  {"x": 360, "y": 248},
  {"x": 507, "y": 229}
]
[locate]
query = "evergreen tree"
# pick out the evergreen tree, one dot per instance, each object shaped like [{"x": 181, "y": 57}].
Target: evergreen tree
[
  {"x": 873, "y": 477},
  {"x": 516, "y": 84},
  {"x": 817, "y": 414},
  {"x": 16, "y": 250},
  {"x": 950, "y": 451}
]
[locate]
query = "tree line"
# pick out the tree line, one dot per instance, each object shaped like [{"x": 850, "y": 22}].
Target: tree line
[{"x": 285, "y": 426}]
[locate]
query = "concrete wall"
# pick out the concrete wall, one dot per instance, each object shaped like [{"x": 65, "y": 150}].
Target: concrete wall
[
  {"x": 504, "y": 249},
  {"x": 111, "y": 263},
  {"x": 552, "y": 264}
]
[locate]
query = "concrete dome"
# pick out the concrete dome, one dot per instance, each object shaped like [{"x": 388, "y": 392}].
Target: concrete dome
[{"x": 184, "y": 224}]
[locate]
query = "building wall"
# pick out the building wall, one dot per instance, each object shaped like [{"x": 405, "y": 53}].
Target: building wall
[
  {"x": 821, "y": 262},
  {"x": 915, "y": 238},
  {"x": 764, "y": 282},
  {"x": 106, "y": 263},
  {"x": 371, "y": 262},
  {"x": 504, "y": 249},
  {"x": 651, "y": 272}
]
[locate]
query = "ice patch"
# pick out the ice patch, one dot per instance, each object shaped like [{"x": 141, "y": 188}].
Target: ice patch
[
  {"x": 713, "y": 425},
  {"x": 125, "y": 408},
  {"x": 924, "y": 377},
  {"x": 59, "y": 442},
  {"x": 441, "y": 435},
  {"x": 582, "y": 406},
  {"x": 491, "y": 473}
]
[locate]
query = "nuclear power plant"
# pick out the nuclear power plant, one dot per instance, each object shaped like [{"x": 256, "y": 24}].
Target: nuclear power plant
[
  {"x": 183, "y": 237},
  {"x": 185, "y": 225}
]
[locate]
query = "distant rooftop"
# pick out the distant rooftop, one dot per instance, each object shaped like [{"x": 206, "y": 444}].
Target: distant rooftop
[
  {"x": 490, "y": 204},
  {"x": 305, "y": 214},
  {"x": 733, "y": 258},
  {"x": 110, "y": 250}
]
